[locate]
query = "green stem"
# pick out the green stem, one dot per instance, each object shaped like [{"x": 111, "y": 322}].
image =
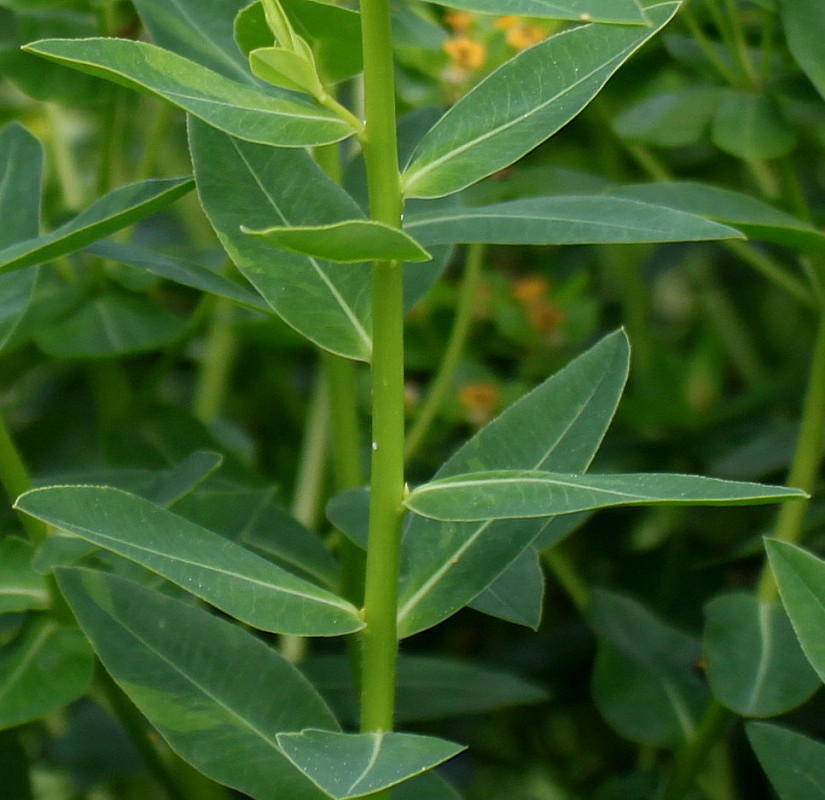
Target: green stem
[
  {"x": 706, "y": 46},
  {"x": 568, "y": 576},
  {"x": 153, "y": 139},
  {"x": 449, "y": 361},
  {"x": 215, "y": 368}
]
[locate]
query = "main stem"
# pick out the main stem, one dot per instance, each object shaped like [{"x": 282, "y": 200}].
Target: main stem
[{"x": 380, "y": 640}]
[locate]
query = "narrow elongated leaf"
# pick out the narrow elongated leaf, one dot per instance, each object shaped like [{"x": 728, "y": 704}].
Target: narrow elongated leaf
[
  {"x": 267, "y": 117},
  {"x": 801, "y": 579},
  {"x": 794, "y": 763},
  {"x": 558, "y": 425},
  {"x": 349, "y": 765},
  {"x": 753, "y": 660},
  {"x": 21, "y": 588},
  {"x": 523, "y": 103},
  {"x": 246, "y": 184},
  {"x": 625, "y": 12},
  {"x": 804, "y": 28},
  {"x": 47, "y": 668},
  {"x": 21, "y": 179},
  {"x": 564, "y": 220},
  {"x": 112, "y": 212},
  {"x": 215, "y": 692},
  {"x": 517, "y": 594},
  {"x": 213, "y": 568},
  {"x": 346, "y": 242},
  {"x": 507, "y": 494}
]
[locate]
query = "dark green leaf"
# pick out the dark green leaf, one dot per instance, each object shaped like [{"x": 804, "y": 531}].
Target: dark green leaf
[
  {"x": 804, "y": 27},
  {"x": 517, "y": 594},
  {"x": 749, "y": 126},
  {"x": 21, "y": 588},
  {"x": 794, "y": 763}
]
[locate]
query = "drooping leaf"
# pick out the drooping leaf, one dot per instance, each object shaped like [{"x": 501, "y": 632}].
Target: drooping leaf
[
  {"x": 21, "y": 179},
  {"x": 523, "y": 103},
  {"x": 794, "y": 763},
  {"x": 21, "y": 588},
  {"x": 749, "y": 126},
  {"x": 645, "y": 682},
  {"x": 216, "y": 693},
  {"x": 508, "y": 494},
  {"x": 753, "y": 660},
  {"x": 48, "y": 667},
  {"x": 245, "y": 184},
  {"x": 116, "y": 210},
  {"x": 564, "y": 219},
  {"x": 800, "y": 577},
  {"x": 210, "y": 566},
  {"x": 346, "y": 242},
  {"x": 282, "y": 120},
  {"x": 624, "y": 12},
  {"x": 804, "y": 29},
  {"x": 559, "y": 425},
  {"x": 349, "y": 765}
]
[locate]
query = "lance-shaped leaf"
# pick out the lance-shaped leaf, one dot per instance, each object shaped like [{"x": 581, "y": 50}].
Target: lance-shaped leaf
[
  {"x": 21, "y": 179},
  {"x": 21, "y": 588},
  {"x": 242, "y": 110},
  {"x": 753, "y": 660},
  {"x": 564, "y": 220},
  {"x": 508, "y": 494},
  {"x": 210, "y": 566},
  {"x": 804, "y": 27},
  {"x": 116, "y": 210},
  {"x": 346, "y": 242},
  {"x": 517, "y": 594},
  {"x": 246, "y": 184},
  {"x": 215, "y": 692},
  {"x": 558, "y": 425},
  {"x": 349, "y": 765},
  {"x": 522, "y": 103},
  {"x": 800, "y": 576},
  {"x": 795, "y": 764},
  {"x": 624, "y": 12},
  {"x": 47, "y": 668}
]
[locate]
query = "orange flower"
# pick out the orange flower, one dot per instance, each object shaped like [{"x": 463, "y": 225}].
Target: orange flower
[
  {"x": 465, "y": 53},
  {"x": 503, "y": 23},
  {"x": 544, "y": 317},
  {"x": 523, "y": 36},
  {"x": 459, "y": 21},
  {"x": 531, "y": 288},
  {"x": 480, "y": 401}
]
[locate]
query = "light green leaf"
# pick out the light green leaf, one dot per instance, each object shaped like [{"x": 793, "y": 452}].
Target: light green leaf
[
  {"x": 794, "y": 763},
  {"x": 517, "y": 594},
  {"x": 753, "y": 660},
  {"x": 564, "y": 220},
  {"x": 328, "y": 304},
  {"x": 112, "y": 212},
  {"x": 236, "y": 108},
  {"x": 218, "y": 694},
  {"x": 21, "y": 184},
  {"x": 522, "y": 103},
  {"x": 47, "y": 668},
  {"x": 558, "y": 425},
  {"x": 210, "y": 566},
  {"x": 21, "y": 588},
  {"x": 509, "y": 494},
  {"x": 287, "y": 69},
  {"x": 645, "y": 682},
  {"x": 800, "y": 576},
  {"x": 346, "y": 242},
  {"x": 348, "y": 765},
  {"x": 749, "y": 126},
  {"x": 626, "y": 12},
  {"x": 804, "y": 27}
]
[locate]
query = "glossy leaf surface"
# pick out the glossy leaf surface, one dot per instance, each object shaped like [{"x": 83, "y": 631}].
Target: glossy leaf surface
[
  {"x": 558, "y": 425},
  {"x": 753, "y": 660},
  {"x": 611, "y": 11},
  {"x": 349, "y": 765},
  {"x": 21, "y": 588},
  {"x": 213, "y": 568},
  {"x": 523, "y": 103},
  {"x": 215, "y": 692},
  {"x": 236, "y": 108},
  {"x": 794, "y": 763}
]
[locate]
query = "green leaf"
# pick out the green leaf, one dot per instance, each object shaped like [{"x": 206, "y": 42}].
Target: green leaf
[
  {"x": 47, "y": 668},
  {"x": 348, "y": 765},
  {"x": 626, "y": 12},
  {"x": 236, "y": 108},
  {"x": 287, "y": 69},
  {"x": 749, "y": 126},
  {"x": 804, "y": 28},
  {"x": 116, "y": 210},
  {"x": 801, "y": 579},
  {"x": 21, "y": 588},
  {"x": 429, "y": 786},
  {"x": 558, "y": 425},
  {"x": 508, "y": 494},
  {"x": 213, "y": 568},
  {"x": 564, "y": 220},
  {"x": 216, "y": 693},
  {"x": 346, "y": 242},
  {"x": 21, "y": 179},
  {"x": 753, "y": 217},
  {"x": 794, "y": 763},
  {"x": 328, "y": 304},
  {"x": 517, "y": 594},
  {"x": 753, "y": 660},
  {"x": 645, "y": 682},
  {"x": 523, "y": 103},
  {"x": 428, "y": 687}
]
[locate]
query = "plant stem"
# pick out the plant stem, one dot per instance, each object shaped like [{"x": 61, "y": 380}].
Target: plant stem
[
  {"x": 212, "y": 382},
  {"x": 379, "y": 638},
  {"x": 458, "y": 338}
]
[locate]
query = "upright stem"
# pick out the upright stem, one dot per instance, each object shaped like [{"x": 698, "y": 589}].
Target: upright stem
[{"x": 380, "y": 645}]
